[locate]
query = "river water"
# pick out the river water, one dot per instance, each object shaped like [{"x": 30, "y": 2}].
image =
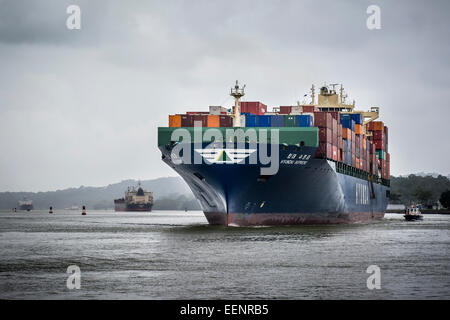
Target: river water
[{"x": 177, "y": 255}]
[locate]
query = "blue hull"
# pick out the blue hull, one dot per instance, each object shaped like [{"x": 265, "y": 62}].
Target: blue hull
[{"x": 302, "y": 192}]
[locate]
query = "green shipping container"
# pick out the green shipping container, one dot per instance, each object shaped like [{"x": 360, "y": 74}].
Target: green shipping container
[
  {"x": 290, "y": 121},
  {"x": 287, "y": 136},
  {"x": 381, "y": 154}
]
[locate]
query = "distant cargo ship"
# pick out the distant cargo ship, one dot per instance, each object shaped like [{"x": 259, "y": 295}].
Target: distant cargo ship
[
  {"x": 26, "y": 204},
  {"x": 333, "y": 161},
  {"x": 135, "y": 200}
]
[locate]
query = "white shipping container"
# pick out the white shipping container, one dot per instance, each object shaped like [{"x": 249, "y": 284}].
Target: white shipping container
[
  {"x": 216, "y": 110},
  {"x": 296, "y": 110},
  {"x": 242, "y": 120}
]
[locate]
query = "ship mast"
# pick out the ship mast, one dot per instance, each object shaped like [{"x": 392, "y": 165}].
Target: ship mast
[{"x": 237, "y": 94}]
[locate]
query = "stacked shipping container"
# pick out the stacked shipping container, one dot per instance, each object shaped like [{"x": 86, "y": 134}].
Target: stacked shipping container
[
  {"x": 342, "y": 136},
  {"x": 379, "y": 138}
]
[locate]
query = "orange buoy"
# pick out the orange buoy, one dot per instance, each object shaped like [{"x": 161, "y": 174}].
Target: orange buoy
[
  {"x": 51, "y": 210},
  {"x": 83, "y": 213}
]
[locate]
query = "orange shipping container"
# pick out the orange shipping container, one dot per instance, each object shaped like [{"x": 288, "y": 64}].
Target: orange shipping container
[
  {"x": 347, "y": 133},
  {"x": 175, "y": 120},
  {"x": 358, "y": 129},
  {"x": 213, "y": 121},
  {"x": 376, "y": 126}
]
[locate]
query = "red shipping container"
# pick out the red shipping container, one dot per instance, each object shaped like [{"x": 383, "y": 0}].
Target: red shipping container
[
  {"x": 379, "y": 144},
  {"x": 325, "y": 135},
  {"x": 378, "y": 135},
  {"x": 187, "y": 120},
  {"x": 335, "y": 155},
  {"x": 200, "y": 120},
  {"x": 334, "y": 125},
  {"x": 353, "y": 160},
  {"x": 253, "y": 107},
  {"x": 322, "y": 120},
  {"x": 339, "y": 130},
  {"x": 335, "y": 138},
  {"x": 310, "y": 109},
  {"x": 191, "y": 113},
  {"x": 336, "y": 115},
  {"x": 285, "y": 110},
  {"x": 226, "y": 121},
  {"x": 376, "y": 126},
  {"x": 386, "y": 134},
  {"x": 324, "y": 151}
]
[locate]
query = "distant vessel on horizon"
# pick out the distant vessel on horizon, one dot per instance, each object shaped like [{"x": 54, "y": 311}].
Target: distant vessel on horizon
[
  {"x": 135, "y": 200},
  {"x": 25, "y": 204}
]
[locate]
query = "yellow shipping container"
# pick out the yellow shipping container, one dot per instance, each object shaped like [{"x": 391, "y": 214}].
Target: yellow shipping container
[
  {"x": 213, "y": 121},
  {"x": 175, "y": 120}
]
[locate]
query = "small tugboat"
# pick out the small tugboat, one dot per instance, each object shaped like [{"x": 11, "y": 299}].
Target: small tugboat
[{"x": 413, "y": 213}]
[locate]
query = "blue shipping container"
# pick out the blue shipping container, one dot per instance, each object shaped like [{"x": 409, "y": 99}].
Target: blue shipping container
[
  {"x": 263, "y": 121},
  {"x": 348, "y": 123},
  {"x": 251, "y": 120},
  {"x": 305, "y": 120},
  {"x": 276, "y": 121},
  {"x": 357, "y": 117}
]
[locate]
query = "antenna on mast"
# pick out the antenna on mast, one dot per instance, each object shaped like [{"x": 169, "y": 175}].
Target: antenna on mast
[{"x": 237, "y": 94}]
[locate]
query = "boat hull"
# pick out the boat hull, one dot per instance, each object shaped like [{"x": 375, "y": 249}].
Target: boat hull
[
  {"x": 410, "y": 217},
  {"x": 135, "y": 207},
  {"x": 307, "y": 192},
  {"x": 26, "y": 207}
]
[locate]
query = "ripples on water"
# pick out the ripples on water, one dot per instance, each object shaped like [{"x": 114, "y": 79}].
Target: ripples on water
[{"x": 176, "y": 255}]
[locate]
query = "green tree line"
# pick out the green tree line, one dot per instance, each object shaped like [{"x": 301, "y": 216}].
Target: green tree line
[{"x": 418, "y": 189}]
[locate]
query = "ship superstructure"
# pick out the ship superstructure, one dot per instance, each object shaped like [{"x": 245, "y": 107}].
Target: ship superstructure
[{"x": 318, "y": 162}]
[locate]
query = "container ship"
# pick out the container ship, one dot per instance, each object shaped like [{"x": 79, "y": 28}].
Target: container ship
[
  {"x": 135, "y": 200},
  {"x": 332, "y": 160},
  {"x": 25, "y": 204}
]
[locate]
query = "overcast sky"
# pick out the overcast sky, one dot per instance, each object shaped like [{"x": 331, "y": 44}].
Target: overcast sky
[{"x": 82, "y": 107}]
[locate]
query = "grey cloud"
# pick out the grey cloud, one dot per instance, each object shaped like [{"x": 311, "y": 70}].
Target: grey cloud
[{"x": 82, "y": 107}]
